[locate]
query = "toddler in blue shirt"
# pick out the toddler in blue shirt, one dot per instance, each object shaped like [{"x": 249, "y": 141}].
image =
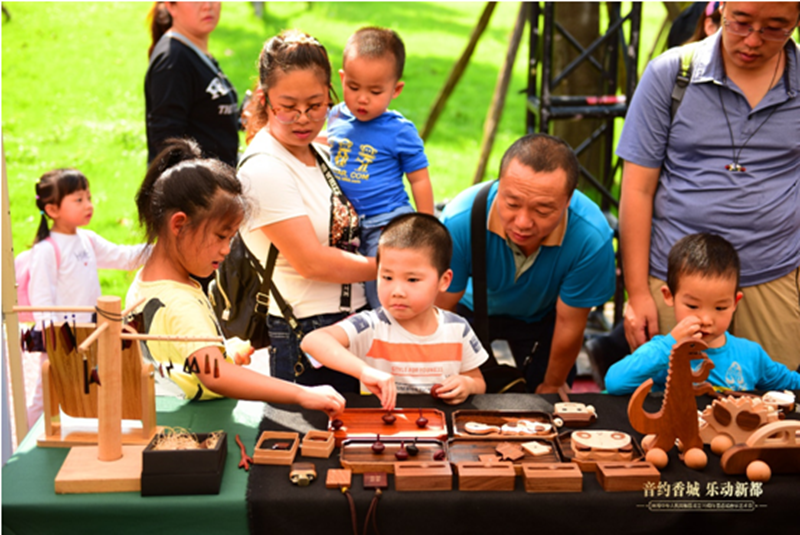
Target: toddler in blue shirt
[
  {"x": 703, "y": 288},
  {"x": 373, "y": 147}
]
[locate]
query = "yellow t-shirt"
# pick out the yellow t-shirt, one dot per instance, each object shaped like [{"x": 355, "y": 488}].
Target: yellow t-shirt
[{"x": 173, "y": 308}]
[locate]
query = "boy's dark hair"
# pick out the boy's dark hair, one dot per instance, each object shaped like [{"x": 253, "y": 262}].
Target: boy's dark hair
[
  {"x": 544, "y": 153},
  {"x": 179, "y": 179},
  {"x": 419, "y": 231},
  {"x": 51, "y": 188},
  {"x": 704, "y": 254},
  {"x": 373, "y": 42}
]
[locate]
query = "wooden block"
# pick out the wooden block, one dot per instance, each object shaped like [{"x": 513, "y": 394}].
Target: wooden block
[
  {"x": 620, "y": 477},
  {"x": 498, "y": 476},
  {"x": 510, "y": 452},
  {"x": 376, "y": 480},
  {"x": 83, "y": 473},
  {"x": 338, "y": 478},
  {"x": 552, "y": 477},
  {"x": 317, "y": 444},
  {"x": 423, "y": 476},
  {"x": 276, "y": 447}
]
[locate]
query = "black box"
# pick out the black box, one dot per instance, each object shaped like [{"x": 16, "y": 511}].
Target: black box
[{"x": 177, "y": 472}]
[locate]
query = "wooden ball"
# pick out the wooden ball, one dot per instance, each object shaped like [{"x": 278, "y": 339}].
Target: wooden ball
[
  {"x": 721, "y": 443},
  {"x": 759, "y": 471},
  {"x": 695, "y": 458},
  {"x": 647, "y": 442},
  {"x": 657, "y": 457},
  {"x": 435, "y": 391}
]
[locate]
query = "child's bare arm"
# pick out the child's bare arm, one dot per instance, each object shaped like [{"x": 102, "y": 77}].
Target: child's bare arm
[
  {"x": 422, "y": 190},
  {"x": 329, "y": 346},
  {"x": 241, "y": 383},
  {"x": 457, "y": 388}
]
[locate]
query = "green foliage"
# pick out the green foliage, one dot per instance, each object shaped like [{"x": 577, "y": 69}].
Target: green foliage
[{"x": 73, "y": 91}]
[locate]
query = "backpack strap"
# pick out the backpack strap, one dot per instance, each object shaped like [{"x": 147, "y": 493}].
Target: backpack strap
[
  {"x": 682, "y": 79},
  {"x": 480, "y": 302}
]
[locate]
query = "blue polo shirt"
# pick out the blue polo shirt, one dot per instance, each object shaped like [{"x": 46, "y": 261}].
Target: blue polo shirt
[
  {"x": 577, "y": 265},
  {"x": 756, "y": 210}
]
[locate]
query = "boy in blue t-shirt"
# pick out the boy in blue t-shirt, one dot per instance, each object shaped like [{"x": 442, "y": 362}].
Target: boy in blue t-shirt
[
  {"x": 372, "y": 147},
  {"x": 703, "y": 287}
]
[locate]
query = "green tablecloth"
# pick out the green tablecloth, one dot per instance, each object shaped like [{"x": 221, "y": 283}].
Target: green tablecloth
[{"x": 31, "y": 506}]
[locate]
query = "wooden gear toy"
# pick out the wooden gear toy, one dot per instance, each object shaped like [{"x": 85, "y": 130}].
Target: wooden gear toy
[{"x": 732, "y": 420}]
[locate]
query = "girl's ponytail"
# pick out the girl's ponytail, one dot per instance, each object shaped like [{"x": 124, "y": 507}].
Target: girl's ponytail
[{"x": 160, "y": 22}]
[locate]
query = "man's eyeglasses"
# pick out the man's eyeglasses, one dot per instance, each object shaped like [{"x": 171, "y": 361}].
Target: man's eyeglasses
[
  {"x": 767, "y": 34},
  {"x": 316, "y": 113}
]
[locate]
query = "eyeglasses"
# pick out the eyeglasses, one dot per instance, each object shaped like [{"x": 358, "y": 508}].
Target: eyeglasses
[
  {"x": 767, "y": 34},
  {"x": 315, "y": 113}
]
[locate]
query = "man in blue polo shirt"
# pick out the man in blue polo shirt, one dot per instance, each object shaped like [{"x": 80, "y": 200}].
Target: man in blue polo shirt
[
  {"x": 728, "y": 163},
  {"x": 549, "y": 259}
]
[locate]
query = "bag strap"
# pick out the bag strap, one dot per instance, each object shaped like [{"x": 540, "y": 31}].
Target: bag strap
[
  {"x": 682, "y": 79},
  {"x": 479, "y": 291}
]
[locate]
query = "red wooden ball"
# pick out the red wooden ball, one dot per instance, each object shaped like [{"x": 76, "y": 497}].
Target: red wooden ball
[{"x": 435, "y": 391}]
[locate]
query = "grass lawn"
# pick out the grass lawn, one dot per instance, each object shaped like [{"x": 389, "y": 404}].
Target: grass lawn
[{"x": 73, "y": 91}]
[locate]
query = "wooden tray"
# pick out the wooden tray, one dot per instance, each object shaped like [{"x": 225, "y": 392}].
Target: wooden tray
[
  {"x": 499, "y": 418},
  {"x": 357, "y": 454},
  {"x": 565, "y": 443},
  {"x": 368, "y": 423},
  {"x": 471, "y": 450}
]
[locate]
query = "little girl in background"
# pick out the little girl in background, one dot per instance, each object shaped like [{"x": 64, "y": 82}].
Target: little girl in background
[
  {"x": 65, "y": 258},
  {"x": 191, "y": 208}
]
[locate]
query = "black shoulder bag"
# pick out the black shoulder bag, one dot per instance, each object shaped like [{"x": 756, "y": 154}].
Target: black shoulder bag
[{"x": 499, "y": 378}]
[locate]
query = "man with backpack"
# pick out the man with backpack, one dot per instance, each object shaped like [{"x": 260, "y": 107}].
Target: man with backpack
[{"x": 724, "y": 159}]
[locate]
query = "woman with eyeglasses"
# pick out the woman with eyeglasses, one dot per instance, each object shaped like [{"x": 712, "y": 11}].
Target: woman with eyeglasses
[
  {"x": 186, "y": 92},
  {"x": 299, "y": 208},
  {"x": 728, "y": 163}
]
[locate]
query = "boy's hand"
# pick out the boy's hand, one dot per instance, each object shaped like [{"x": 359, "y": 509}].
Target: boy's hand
[
  {"x": 322, "y": 398},
  {"x": 455, "y": 389},
  {"x": 689, "y": 327},
  {"x": 382, "y": 385}
]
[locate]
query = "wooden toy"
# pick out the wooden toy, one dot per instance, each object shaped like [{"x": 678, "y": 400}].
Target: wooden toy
[
  {"x": 358, "y": 455},
  {"x": 317, "y": 444},
  {"x": 731, "y": 420},
  {"x": 502, "y": 424},
  {"x": 427, "y": 476},
  {"x": 759, "y": 471},
  {"x": 535, "y": 448},
  {"x": 588, "y": 457},
  {"x": 276, "y": 447},
  {"x": 677, "y": 418},
  {"x": 338, "y": 478},
  {"x": 785, "y": 400},
  {"x": 389, "y": 418},
  {"x": 498, "y": 476},
  {"x": 575, "y": 414},
  {"x": 376, "y": 480},
  {"x": 478, "y": 450},
  {"x": 302, "y": 474},
  {"x": 401, "y": 454},
  {"x": 775, "y": 444},
  {"x": 552, "y": 477},
  {"x": 109, "y": 466},
  {"x": 421, "y": 422},
  {"x": 510, "y": 452},
  {"x": 72, "y": 384},
  {"x": 620, "y": 477},
  {"x": 367, "y": 423}
]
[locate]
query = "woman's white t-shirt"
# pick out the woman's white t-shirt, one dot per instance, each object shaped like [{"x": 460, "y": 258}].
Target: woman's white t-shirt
[{"x": 281, "y": 187}]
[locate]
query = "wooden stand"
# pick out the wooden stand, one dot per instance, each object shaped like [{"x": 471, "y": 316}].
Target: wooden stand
[
  {"x": 63, "y": 390},
  {"x": 83, "y": 472},
  {"x": 423, "y": 476},
  {"x": 286, "y": 457},
  {"x": 552, "y": 477},
  {"x": 620, "y": 477},
  {"x": 485, "y": 476}
]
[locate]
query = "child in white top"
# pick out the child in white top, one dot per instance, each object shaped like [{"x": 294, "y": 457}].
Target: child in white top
[
  {"x": 65, "y": 258},
  {"x": 408, "y": 345}
]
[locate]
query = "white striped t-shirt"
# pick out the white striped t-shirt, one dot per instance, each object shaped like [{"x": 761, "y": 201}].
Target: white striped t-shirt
[{"x": 416, "y": 362}]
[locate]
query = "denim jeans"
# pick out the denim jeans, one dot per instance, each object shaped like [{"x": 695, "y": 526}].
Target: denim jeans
[
  {"x": 285, "y": 348},
  {"x": 529, "y": 343}
]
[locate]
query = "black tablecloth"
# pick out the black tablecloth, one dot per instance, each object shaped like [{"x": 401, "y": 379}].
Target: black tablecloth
[{"x": 276, "y": 506}]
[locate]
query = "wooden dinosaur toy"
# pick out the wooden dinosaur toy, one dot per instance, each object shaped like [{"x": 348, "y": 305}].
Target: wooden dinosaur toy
[{"x": 677, "y": 419}]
